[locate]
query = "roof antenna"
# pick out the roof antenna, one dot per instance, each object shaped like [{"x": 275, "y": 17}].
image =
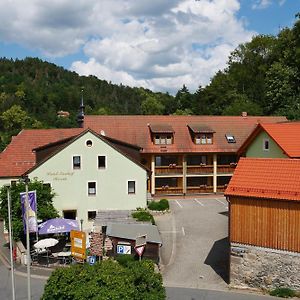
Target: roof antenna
[{"x": 80, "y": 116}]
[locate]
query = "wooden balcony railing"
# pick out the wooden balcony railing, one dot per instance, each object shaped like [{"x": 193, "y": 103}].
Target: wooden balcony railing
[
  {"x": 226, "y": 168},
  {"x": 202, "y": 169},
  {"x": 168, "y": 190},
  {"x": 168, "y": 170},
  {"x": 199, "y": 189},
  {"x": 221, "y": 188}
]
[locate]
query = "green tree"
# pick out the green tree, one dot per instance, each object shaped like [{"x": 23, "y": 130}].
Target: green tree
[
  {"x": 151, "y": 106},
  {"x": 14, "y": 119},
  {"x": 106, "y": 280},
  {"x": 45, "y": 209}
]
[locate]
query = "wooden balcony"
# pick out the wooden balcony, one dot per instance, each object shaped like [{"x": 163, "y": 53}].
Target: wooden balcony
[
  {"x": 221, "y": 188},
  {"x": 226, "y": 169},
  {"x": 168, "y": 170},
  {"x": 202, "y": 169},
  {"x": 199, "y": 189},
  {"x": 168, "y": 191}
]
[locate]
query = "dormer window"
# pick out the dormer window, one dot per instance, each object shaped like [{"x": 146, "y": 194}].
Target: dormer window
[
  {"x": 201, "y": 135},
  {"x": 230, "y": 138},
  {"x": 163, "y": 139},
  {"x": 162, "y": 134}
]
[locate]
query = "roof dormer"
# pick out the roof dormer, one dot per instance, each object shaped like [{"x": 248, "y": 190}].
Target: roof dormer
[
  {"x": 201, "y": 134},
  {"x": 161, "y": 134}
]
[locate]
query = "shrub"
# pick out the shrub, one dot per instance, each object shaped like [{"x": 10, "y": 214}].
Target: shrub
[
  {"x": 283, "y": 293},
  {"x": 124, "y": 259},
  {"x": 143, "y": 215},
  {"x": 105, "y": 280},
  {"x": 162, "y": 205}
]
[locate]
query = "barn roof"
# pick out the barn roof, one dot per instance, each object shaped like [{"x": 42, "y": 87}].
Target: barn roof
[{"x": 276, "y": 178}]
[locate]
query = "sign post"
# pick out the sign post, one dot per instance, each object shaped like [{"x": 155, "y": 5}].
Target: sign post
[
  {"x": 140, "y": 244},
  {"x": 78, "y": 244}
]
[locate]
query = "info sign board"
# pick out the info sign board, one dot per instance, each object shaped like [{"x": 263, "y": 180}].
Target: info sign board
[{"x": 78, "y": 244}]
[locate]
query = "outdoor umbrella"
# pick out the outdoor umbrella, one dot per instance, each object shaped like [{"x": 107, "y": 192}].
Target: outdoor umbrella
[
  {"x": 45, "y": 243},
  {"x": 58, "y": 225}
]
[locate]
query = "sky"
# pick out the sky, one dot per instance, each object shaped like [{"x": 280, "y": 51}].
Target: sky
[{"x": 155, "y": 44}]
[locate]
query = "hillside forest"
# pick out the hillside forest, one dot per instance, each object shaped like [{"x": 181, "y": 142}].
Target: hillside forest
[{"x": 262, "y": 77}]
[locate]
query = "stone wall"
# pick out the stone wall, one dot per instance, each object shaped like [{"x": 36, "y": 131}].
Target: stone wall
[{"x": 264, "y": 268}]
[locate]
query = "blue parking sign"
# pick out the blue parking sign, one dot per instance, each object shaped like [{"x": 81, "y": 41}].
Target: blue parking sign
[{"x": 92, "y": 260}]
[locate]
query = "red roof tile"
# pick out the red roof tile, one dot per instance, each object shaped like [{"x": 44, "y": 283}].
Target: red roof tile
[
  {"x": 18, "y": 156},
  {"x": 135, "y": 130},
  {"x": 276, "y": 178}
]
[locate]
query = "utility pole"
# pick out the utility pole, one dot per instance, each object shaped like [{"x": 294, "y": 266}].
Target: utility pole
[
  {"x": 26, "y": 181},
  {"x": 11, "y": 245}
]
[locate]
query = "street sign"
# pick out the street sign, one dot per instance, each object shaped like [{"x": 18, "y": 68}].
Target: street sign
[
  {"x": 140, "y": 250},
  {"x": 123, "y": 249},
  {"x": 92, "y": 260},
  {"x": 78, "y": 244}
]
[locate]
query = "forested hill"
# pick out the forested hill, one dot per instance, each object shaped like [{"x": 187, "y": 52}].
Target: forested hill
[{"x": 262, "y": 77}]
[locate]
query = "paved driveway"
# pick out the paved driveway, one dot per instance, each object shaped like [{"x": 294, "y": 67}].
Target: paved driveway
[{"x": 195, "y": 247}]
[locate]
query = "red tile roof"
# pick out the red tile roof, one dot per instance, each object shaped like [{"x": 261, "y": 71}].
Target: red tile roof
[
  {"x": 135, "y": 130},
  {"x": 18, "y": 156},
  {"x": 276, "y": 178},
  {"x": 286, "y": 135}
]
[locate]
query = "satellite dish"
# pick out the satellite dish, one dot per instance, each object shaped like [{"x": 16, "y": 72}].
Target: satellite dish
[{"x": 102, "y": 132}]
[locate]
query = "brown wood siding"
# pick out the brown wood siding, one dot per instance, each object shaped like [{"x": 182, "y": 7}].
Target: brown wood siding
[{"x": 265, "y": 223}]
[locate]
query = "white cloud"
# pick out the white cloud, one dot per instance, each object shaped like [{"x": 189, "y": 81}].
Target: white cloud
[
  {"x": 158, "y": 44},
  {"x": 261, "y": 4}
]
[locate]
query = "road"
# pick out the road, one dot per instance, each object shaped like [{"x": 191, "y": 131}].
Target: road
[{"x": 37, "y": 285}]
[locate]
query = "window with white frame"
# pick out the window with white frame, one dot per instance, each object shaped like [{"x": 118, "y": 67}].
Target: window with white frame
[
  {"x": 131, "y": 187},
  {"x": 163, "y": 139},
  {"x": 91, "y": 188},
  {"x": 101, "y": 162},
  {"x": 76, "y": 162},
  {"x": 92, "y": 215},
  {"x": 203, "y": 138},
  {"x": 266, "y": 144}
]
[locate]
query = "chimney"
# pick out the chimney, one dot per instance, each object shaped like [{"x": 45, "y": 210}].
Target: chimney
[
  {"x": 244, "y": 114},
  {"x": 80, "y": 116}
]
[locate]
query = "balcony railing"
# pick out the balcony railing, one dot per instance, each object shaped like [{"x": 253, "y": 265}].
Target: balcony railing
[
  {"x": 202, "y": 169},
  {"x": 226, "y": 168},
  {"x": 199, "y": 189},
  {"x": 221, "y": 188},
  {"x": 166, "y": 170},
  {"x": 168, "y": 190}
]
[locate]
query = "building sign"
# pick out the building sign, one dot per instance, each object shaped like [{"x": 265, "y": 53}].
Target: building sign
[
  {"x": 123, "y": 249},
  {"x": 60, "y": 176},
  {"x": 78, "y": 244},
  {"x": 32, "y": 210}
]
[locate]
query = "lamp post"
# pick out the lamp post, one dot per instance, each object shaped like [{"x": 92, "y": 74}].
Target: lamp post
[
  {"x": 10, "y": 244},
  {"x": 81, "y": 222},
  {"x": 26, "y": 181}
]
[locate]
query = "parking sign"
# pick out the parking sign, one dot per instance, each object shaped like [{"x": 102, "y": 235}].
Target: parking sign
[{"x": 123, "y": 249}]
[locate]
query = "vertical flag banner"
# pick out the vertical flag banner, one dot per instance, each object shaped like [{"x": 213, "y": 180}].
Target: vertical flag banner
[{"x": 32, "y": 219}]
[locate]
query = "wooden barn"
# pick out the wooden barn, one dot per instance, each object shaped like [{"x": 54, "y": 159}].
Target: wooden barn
[{"x": 264, "y": 209}]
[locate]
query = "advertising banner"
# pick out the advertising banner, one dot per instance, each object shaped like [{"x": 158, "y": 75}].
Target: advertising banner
[{"x": 32, "y": 211}]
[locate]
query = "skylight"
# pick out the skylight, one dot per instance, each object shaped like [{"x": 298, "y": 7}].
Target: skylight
[{"x": 230, "y": 138}]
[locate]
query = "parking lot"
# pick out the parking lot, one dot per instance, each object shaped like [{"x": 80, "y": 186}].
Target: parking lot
[{"x": 195, "y": 246}]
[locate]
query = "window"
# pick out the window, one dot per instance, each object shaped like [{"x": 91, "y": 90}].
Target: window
[
  {"x": 194, "y": 160},
  {"x": 70, "y": 214},
  {"x": 92, "y": 215},
  {"x": 76, "y": 162},
  {"x": 102, "y": 162},
  {"x": 203, "y": 138},
  {"x": 166, "y": 160},
  {"x": 92, "y": 188},
  {"x": 230, "y": 138},
  {"x": 163, "y": 139},
  {"x": 266, "y": 144},
  {"x": 131, "y": 187},
  {"x": 89, "y": 143}
]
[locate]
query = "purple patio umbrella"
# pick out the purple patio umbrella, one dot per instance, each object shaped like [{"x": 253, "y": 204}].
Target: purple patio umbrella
[{"x": 58, "y": 225}]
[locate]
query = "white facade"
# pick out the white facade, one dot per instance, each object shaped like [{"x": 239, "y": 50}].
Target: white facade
[{"x": 119, "y": 185}]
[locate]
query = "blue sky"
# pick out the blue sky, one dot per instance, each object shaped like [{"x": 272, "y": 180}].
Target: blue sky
[{"x": 157, "y": 44}]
